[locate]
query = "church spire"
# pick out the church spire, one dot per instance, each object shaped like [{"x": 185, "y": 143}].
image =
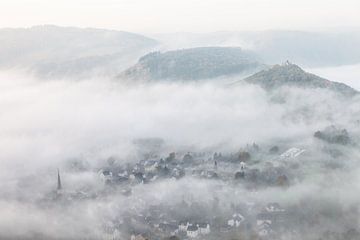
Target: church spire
[{"x": 59, "y": 181}]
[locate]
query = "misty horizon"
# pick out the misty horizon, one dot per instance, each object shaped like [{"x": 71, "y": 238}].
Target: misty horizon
[
  {"x": 185, "y": 16},
  {"x": 179, "y": 120}
]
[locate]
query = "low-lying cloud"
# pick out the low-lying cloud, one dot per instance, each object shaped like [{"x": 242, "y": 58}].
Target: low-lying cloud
[{"x": 45, "y": 124}]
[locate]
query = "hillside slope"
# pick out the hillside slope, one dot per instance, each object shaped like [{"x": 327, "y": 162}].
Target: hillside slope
[
  {"x": 194, "y": 64},
  {"x": 291, "y": 75}
]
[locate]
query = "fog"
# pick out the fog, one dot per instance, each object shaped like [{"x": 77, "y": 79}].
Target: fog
[
  {"x": 185, "y": 15},
  {"x": 349, "y": 74},
  {"x": 60, "y": 119},
  {"x": 46, "y": 125}
]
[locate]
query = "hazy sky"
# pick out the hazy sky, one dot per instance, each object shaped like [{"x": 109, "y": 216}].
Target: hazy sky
[{"x": 183, "y": 15}]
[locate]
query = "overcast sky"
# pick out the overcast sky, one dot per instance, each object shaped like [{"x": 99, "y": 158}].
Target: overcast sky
[{"x": 156, "y": 16}]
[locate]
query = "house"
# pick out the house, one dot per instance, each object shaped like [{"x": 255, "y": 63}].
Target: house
[
  {"x": 261, "y": 222},
  {"x": 183, "y": 225},
  {"x": 263, "y": 218},
  {"x": 192, "y": 231},
  {"x": 264, "y": 229},
  {"x": 177, "y": 173},
  {"x": 292, "y": 153},
  {"x": 123, "y": 173},
  {"x": 272, "y": 214},
  {"x": 137, "y": 237},
  {"x": 150, "y": 166},
  {"x": 105, "y": 175},
  {"x": 242, "y": 165},
  {"x": 274, "y": 207},
  {"x": 204, "y": 228},
  {"x": 236, "y": 220}
]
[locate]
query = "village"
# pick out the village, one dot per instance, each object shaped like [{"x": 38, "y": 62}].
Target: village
[
  {"x": 188, "y": 219},
  {"x": 250, "y": 170}
]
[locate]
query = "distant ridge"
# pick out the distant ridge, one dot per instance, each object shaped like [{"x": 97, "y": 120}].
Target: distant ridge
[
  {"x": 194, "y": 64},
  {"x": 309, "y": 49},
  {"x": 289, "y": 74},
  {"x": 56, "y": 52}
]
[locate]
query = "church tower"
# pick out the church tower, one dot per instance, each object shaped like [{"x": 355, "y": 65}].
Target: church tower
[{"x": 59, "y": 187}]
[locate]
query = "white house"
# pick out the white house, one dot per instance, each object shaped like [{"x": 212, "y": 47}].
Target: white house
[
  {"x": 260, "y": 222},
  {"x": 192, "y": 231},
  {"x": 242, "y": 165},
  {"x": 105, "y": 175},
  {"x": 123, "y": 174},
  {"x": 150, "y": 166},
  {"x": 292, "y": 153},
  {"x": 183, "y": 226},
  {"x": 236, "y": 220},
  {"x": 264, "y": 223},
  {"x": 274, "y": 207},
  {"x": 204, "y": 228}
]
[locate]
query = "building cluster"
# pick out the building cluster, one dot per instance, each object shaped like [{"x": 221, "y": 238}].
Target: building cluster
[
  {"x": 159, "y": 221},
  {"x": 238, "y": 167}
]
